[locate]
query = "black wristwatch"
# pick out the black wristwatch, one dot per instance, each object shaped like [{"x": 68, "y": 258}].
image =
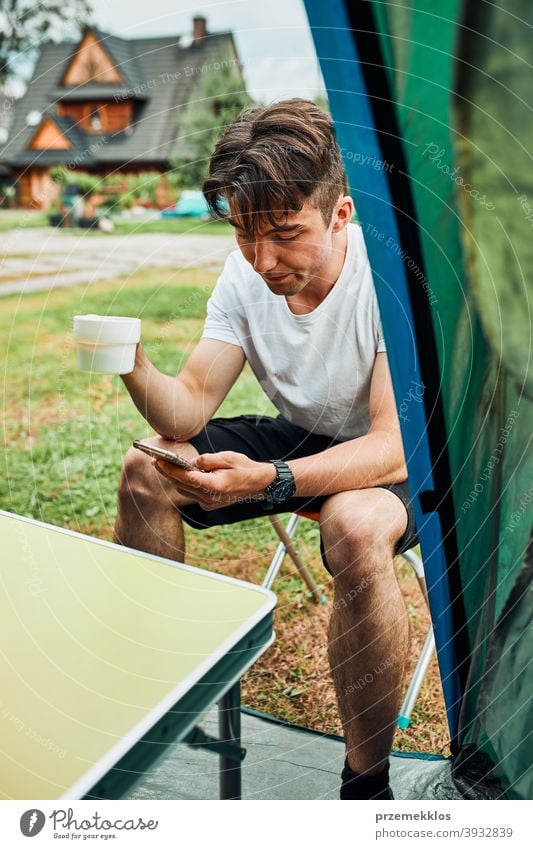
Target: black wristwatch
[{"x": 282, "y": 487}]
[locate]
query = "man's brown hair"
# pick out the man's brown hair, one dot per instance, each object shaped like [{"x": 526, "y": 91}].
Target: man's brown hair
[{"x": 271, "y": 160}]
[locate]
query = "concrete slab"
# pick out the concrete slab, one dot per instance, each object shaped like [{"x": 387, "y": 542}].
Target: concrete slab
[{"x": 43, "y": 259}]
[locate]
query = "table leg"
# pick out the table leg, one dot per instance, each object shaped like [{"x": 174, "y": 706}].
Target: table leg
[{"x": 229, "y": 729}]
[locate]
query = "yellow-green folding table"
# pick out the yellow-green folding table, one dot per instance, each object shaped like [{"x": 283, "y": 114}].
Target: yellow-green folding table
[{"x": 108, "y": 655}]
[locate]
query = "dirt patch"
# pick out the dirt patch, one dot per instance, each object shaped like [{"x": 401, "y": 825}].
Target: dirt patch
[{"x": 25, "y": 427}]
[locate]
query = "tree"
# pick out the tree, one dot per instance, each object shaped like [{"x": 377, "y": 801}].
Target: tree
[
  {"x": 219, "y": 96},
  {"x": 24, "y": 24},
  {"x": 322, "y": 101}
]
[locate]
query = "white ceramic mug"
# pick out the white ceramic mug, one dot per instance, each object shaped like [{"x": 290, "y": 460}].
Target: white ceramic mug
[{"x": 106, "y": 343}]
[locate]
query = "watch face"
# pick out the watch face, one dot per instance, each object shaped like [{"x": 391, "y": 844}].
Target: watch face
[{"x": 282, "y": 491}]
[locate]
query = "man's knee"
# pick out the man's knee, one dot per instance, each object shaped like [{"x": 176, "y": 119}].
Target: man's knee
[
  {"x": 137, "y": 476},
  {"x": 356, "y": 544},
  {"x": 140, "y": 480}
]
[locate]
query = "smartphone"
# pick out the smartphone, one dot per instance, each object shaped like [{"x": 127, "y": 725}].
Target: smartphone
[{"x": 163, "y": 454}]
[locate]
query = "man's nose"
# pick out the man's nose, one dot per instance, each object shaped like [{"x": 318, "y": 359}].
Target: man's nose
[{"x": 264, "y": 256}]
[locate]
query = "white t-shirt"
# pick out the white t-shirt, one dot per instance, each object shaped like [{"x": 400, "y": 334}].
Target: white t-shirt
[{"x": 315, "y": 368}]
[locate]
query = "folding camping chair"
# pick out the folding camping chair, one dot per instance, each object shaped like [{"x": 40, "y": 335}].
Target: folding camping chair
[{"x": 286, "y": 534}]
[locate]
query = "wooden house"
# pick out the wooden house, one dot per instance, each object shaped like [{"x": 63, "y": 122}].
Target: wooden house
[{"x": 108, "y": 105}]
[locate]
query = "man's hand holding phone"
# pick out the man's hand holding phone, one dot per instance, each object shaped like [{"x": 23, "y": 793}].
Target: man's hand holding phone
[
  {"x": 164, "y": 454},
  {"x": 213, "y": 480},
  {"x": 178, "y": 470}
]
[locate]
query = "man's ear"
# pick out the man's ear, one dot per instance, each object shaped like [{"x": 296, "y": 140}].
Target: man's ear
[{"x": 343, "y": 213}]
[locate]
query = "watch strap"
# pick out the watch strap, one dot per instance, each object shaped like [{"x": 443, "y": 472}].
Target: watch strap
[{"x": 284, "y": 480}]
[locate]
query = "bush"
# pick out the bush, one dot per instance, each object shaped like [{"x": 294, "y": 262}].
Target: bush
[
  {"x": 121, "y": 190},
  {"x": 87, "y": 184},
  {"x": 143, "y": 186}
]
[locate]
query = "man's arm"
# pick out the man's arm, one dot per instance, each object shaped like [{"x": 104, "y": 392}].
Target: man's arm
[
  {"x": 370, "y": 460},
  {"x": 179, "y": 407},
  {"x": 367, "y": 461}
]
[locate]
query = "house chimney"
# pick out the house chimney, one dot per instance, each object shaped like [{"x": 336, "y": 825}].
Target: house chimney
[{"x": 199, "y": 31}]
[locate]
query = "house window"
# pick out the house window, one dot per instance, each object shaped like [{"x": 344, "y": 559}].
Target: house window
[{"x": 95, "y": 122}]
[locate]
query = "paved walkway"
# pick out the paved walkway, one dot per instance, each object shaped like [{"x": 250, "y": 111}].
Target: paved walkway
[{"x": 38, "y": 259}]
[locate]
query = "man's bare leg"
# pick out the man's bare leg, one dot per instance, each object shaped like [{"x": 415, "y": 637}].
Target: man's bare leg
[
  {"x": 368, "y": 635},
  {"x": 148, "y": 517}
]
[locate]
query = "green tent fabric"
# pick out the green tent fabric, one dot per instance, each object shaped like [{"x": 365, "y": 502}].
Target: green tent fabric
[
  {"x": 493, "y": 116},
  {"x": 505, "y": 704}
]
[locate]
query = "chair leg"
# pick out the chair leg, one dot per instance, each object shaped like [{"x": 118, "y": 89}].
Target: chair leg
[
  {"x": 418, "y": 569},
  {"x": 404, "y": 717},
  {"x": 286, "y": 547},
  {"x": 281, "y": 550}
]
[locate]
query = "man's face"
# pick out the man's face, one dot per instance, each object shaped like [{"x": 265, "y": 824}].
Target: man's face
[{"x": 290, "y": 255}]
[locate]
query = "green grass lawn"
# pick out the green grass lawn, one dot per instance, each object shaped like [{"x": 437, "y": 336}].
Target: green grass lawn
[
  {"x": 65, "y": 433},
  {"x": 20, "y": 219},
  {"x": 174, "y": 225},
  {"x": 190, "y": 226},
  {"x": 23, "y": 219}
]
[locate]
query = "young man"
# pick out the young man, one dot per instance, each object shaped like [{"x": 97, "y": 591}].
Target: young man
[{"x": 297, "y": 302}]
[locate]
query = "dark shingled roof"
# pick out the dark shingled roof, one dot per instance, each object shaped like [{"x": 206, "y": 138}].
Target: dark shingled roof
[
  {"x": 157, "y": 76},
  {"x": 68, "y": 127}
]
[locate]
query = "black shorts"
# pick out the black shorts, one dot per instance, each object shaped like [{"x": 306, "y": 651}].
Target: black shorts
[{"x": 263, "y": 438}]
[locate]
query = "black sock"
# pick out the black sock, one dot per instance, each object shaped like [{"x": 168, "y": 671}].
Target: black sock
[{"x": 357, "y": 785}]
